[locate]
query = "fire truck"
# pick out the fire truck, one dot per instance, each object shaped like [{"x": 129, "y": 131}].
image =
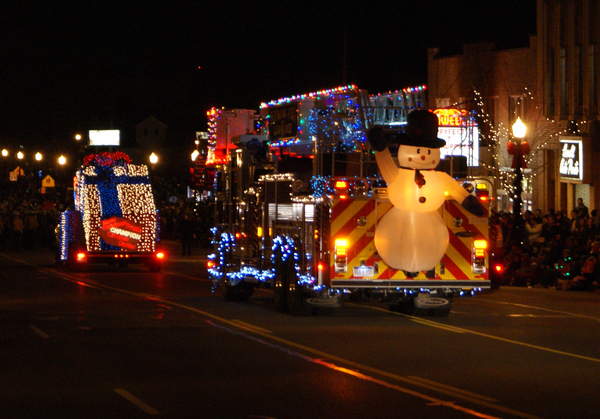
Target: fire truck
[
  {"x": 114, "y": 219},
  {"x": 298, "y": 198}
]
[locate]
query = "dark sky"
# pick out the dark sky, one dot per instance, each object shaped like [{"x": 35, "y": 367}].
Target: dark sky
[{"x": 68, "y": 67}]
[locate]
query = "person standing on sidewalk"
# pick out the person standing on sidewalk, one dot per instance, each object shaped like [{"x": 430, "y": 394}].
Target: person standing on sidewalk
[
  {"x": 17, "y": 232},
  {"x": 186, "y": 234}
]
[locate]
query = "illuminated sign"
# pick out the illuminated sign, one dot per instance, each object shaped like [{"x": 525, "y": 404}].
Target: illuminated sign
[
  {"x": 574, "y": 159},
  {"x": 120, "y": 232},
  {"x": 452, "y": 117},
  {"x": 109, "y": 137},
  {"x": 459, "y": 129}
]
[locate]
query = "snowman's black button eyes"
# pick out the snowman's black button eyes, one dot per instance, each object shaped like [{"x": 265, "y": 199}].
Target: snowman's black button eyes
[
  {"x": 418, "y": 151},
  {"x": 428, "y": 151}
]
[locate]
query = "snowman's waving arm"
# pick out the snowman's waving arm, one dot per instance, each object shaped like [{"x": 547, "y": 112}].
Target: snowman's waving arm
[
  {"x": 457, "y": 192},
  {"x": 386, "y": 165}
]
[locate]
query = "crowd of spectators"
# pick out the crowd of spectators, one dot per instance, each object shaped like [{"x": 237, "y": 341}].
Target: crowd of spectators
[
  {"x": 553, "y": 250},
  {"x": 28, "y": 218},
  {"x": 556, "y": 249}
]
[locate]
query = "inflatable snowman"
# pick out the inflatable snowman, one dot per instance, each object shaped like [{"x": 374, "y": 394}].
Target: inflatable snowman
[{"x": 412, "y": 235}]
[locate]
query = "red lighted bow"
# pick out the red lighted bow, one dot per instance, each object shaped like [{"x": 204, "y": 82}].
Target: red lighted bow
[{"x": 518, "y": 151}]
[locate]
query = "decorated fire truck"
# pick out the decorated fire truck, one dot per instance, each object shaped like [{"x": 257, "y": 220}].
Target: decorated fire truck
[
  {"x": 330, "y": 196},
  {"x": 114, "y": 219}
]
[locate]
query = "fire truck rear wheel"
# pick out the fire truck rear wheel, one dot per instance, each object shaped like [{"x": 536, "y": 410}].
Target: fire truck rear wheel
[
  {"x": 296, "y": 297},
  {"x": 240, "y": 292},
  {"x": 279, "y": 291}
]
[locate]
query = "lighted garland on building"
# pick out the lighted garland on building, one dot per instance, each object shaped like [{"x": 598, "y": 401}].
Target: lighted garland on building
[
  {"x": 312, "y": 95},
  {"x": 213, "y": 116},
  {"x": 544, "y": 137}
]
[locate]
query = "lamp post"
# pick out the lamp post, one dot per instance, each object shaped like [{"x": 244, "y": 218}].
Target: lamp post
[{"x": 519, "y": 131}]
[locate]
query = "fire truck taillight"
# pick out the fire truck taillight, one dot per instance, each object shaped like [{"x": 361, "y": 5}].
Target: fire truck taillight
[
  {"x": 160, "y": 255},
  {"x": 341, "y": 184},
  {"x": 341, "y": 260},
  {"x": 480, "y": 247},
  {"x": 479, "y": 251},
  {"x": 482, "y": 193},
  {"x": 81, "y": 256},
  {"x": 341, "y": 188}
]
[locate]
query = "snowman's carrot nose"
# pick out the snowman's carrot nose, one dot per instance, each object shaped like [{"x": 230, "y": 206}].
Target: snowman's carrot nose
[{"x": 423, "y": 157}]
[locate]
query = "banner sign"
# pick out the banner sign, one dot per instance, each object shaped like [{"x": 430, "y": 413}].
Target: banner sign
[
  {"x": 574, "y": 154},
  {"x": 120, "y": 232}
]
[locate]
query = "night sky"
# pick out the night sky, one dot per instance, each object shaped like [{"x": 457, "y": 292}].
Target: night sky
[{"x": 68, "y": 67}]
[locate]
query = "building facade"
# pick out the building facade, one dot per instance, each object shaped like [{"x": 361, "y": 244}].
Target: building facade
[{"x": 552, "y": 86}]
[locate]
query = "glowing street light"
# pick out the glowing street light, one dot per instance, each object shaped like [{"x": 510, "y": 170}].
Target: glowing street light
[
  {"x": 153, "y": 158},
  {"x": 4, "y": 152},
  {"x": 518, "y": 150},
  {"x": 519, "y": 129},
  {"x": 62, "y": 160},
  {"x": 20, "y": 155},
  {"x": 195, "y": 154},
  {"x": 78, "y": 137},
  {"x": 38, "y": 156}
]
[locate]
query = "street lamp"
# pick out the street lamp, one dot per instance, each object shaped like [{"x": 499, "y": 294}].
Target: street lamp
[
  {"x": 195, "y": 154},
  {"x": 38, "y": 156},
  {"x": 4, "y": 152},
  {"x": 62, "y": 160},
  {"x": 519, "y": 148},
  {"x": 20, "y": 155},
  {"x": 153, "y": 158}
]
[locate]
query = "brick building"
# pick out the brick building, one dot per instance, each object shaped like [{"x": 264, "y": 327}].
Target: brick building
[{"x": 553, "y": 86}]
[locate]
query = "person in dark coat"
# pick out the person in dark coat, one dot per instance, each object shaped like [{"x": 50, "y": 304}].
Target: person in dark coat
[{"x": 186, "y": 230}]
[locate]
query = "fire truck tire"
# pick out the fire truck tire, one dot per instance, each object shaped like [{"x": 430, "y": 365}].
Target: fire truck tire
[
  {"x": 296, "y": 297},
  {"x": 279, "y": 287},
  {"x": 240, "y": 292}
]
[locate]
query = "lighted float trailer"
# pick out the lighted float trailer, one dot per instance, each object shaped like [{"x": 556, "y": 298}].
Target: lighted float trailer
[{"x": 115, "y": 220}]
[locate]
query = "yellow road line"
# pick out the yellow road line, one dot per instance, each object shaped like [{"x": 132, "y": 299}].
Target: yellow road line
[
  {"x": 130, "y": 397},
  {"x": 252, "y": 326},
  {"x": 432, "y": 323},
  {"x": 457, "y": 390},
  {"x": 541, "y": 308},
  {"x": 439, "y": 388},
  {"x": 39, "y": 331}
]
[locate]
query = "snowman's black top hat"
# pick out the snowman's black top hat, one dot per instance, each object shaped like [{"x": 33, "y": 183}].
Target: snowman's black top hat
[{"x": 421, "y": 130}]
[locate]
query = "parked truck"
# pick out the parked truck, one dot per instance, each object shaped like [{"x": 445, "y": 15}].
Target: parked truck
[
  {"x": 298, "y": 202},
  {"x": 114, "y": 219}
]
